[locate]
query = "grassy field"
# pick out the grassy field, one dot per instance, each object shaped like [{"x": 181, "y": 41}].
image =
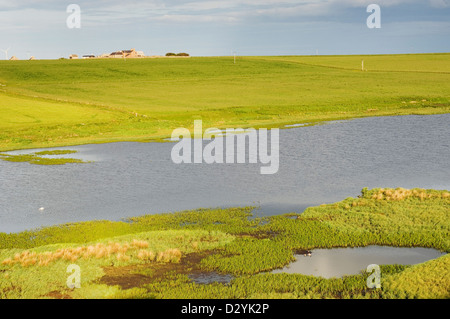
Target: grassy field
[
  {"x": 66, "y": 102},
  {"x": 154, "y": 255}
]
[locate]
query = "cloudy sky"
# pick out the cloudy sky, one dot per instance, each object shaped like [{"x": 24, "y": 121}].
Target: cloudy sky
[{"x": 219, "y": 27}]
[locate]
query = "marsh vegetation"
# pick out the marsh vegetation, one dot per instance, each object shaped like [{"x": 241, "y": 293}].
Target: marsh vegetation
[
  {"x": 153, "y": 256},
  {"x": 41, "y": 158}
]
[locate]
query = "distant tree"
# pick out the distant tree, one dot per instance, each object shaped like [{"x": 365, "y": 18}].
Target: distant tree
[
  {"x": 170, "y": 54},
  {"x": 182, "y": 54}
]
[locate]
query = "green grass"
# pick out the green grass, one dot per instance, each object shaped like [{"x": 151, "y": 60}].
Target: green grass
[
  {"x": 274, "y": 286},
  {"x": 427, "y": 280},
  {"x": 426, "y": 63},
  {"x": 56, "y": 152},
  {"x": 66, "y": 102},
  {"x": 230, "y": 242},
  {"x": 18, "y": 281}
]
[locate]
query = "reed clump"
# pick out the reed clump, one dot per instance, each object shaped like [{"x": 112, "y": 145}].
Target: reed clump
[
  {"x": 170, "y": 255},
  {"x": 399, "y": 194}
]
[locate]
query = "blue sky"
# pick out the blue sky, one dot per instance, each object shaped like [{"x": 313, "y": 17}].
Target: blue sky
[{"x": 219, "y": 27}]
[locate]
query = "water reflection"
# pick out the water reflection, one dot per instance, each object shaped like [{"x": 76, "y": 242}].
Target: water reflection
[
  {"x": 338, "y": 262},
  {"x": 210, "y": 277}
]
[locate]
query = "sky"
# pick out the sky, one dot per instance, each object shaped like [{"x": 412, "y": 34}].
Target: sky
[{"x": 223, "y": 27}]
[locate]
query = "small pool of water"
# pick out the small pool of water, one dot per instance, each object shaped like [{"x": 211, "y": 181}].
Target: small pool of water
[
  {"x": 210, "y": 277},
  {"x": 337, "y": 262}
]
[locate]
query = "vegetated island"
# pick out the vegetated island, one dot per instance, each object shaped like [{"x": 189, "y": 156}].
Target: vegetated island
[{"x": 39, "y": 159}]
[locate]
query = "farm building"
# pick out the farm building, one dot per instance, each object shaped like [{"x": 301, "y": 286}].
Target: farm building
[
  {"x": 73, "y": 56},
  {"x": 117, "y": 54},
  {"x": 130, "y": 53},
  {"x": 127, "y": 54}
]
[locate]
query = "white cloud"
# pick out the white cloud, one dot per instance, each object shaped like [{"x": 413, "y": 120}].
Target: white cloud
[
  {"x": 194, "y": 18},
  {"x": 381, "y": 3},
  {"x": 32, "y": 14}
]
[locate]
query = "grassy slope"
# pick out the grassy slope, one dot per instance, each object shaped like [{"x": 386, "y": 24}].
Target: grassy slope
[
  {"x": 50, "y": 103},
  {"x": 380, "y": 216}
]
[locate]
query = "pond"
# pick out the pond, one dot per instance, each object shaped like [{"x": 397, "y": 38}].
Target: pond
[
  {"x": 210, "y": 277},
  {"x": 318, "y": 164},
  {"x": 337, "y": 262}
]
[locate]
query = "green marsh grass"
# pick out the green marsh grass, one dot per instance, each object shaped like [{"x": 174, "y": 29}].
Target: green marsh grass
[
  {"x": 38, "y": 159},
  {"x": 23, "y": 272},
  {"x": 56, "y": 152},
  {"x": 229, "y": 241}
]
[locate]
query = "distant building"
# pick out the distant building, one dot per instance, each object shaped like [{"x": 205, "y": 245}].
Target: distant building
[
  {"x": 13, "y": 58},
  {"x": 32, "y": 58},
  {"x": 117, "y": 54},
  {"x": 130, "y": 53},
  {"x": 127, "y": 54}
]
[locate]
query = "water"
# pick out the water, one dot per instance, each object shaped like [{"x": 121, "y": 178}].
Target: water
[
  {"x": 338, "y": 262},
  {"x": 210, "y": 277},
  {"x": 318, "y": 164}
]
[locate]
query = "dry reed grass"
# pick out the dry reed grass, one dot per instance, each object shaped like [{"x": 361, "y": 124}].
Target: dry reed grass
[
  {"x": 170, "y": 255},
  {"x": 399, "y": 194},
  {"x": 98, "y": 251}
]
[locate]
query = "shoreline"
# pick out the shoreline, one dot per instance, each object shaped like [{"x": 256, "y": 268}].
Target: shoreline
[
  {"x": 280, "y": 125},
  {"x": 251, "y": 212}
]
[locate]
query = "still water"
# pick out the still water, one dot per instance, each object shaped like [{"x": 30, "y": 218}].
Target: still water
[
  {"x": 318, "y": 164},
  {"x": 337, "y": 262}
]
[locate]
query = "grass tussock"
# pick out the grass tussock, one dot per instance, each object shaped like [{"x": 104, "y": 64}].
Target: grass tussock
[{"x": 170, "y": 255}]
